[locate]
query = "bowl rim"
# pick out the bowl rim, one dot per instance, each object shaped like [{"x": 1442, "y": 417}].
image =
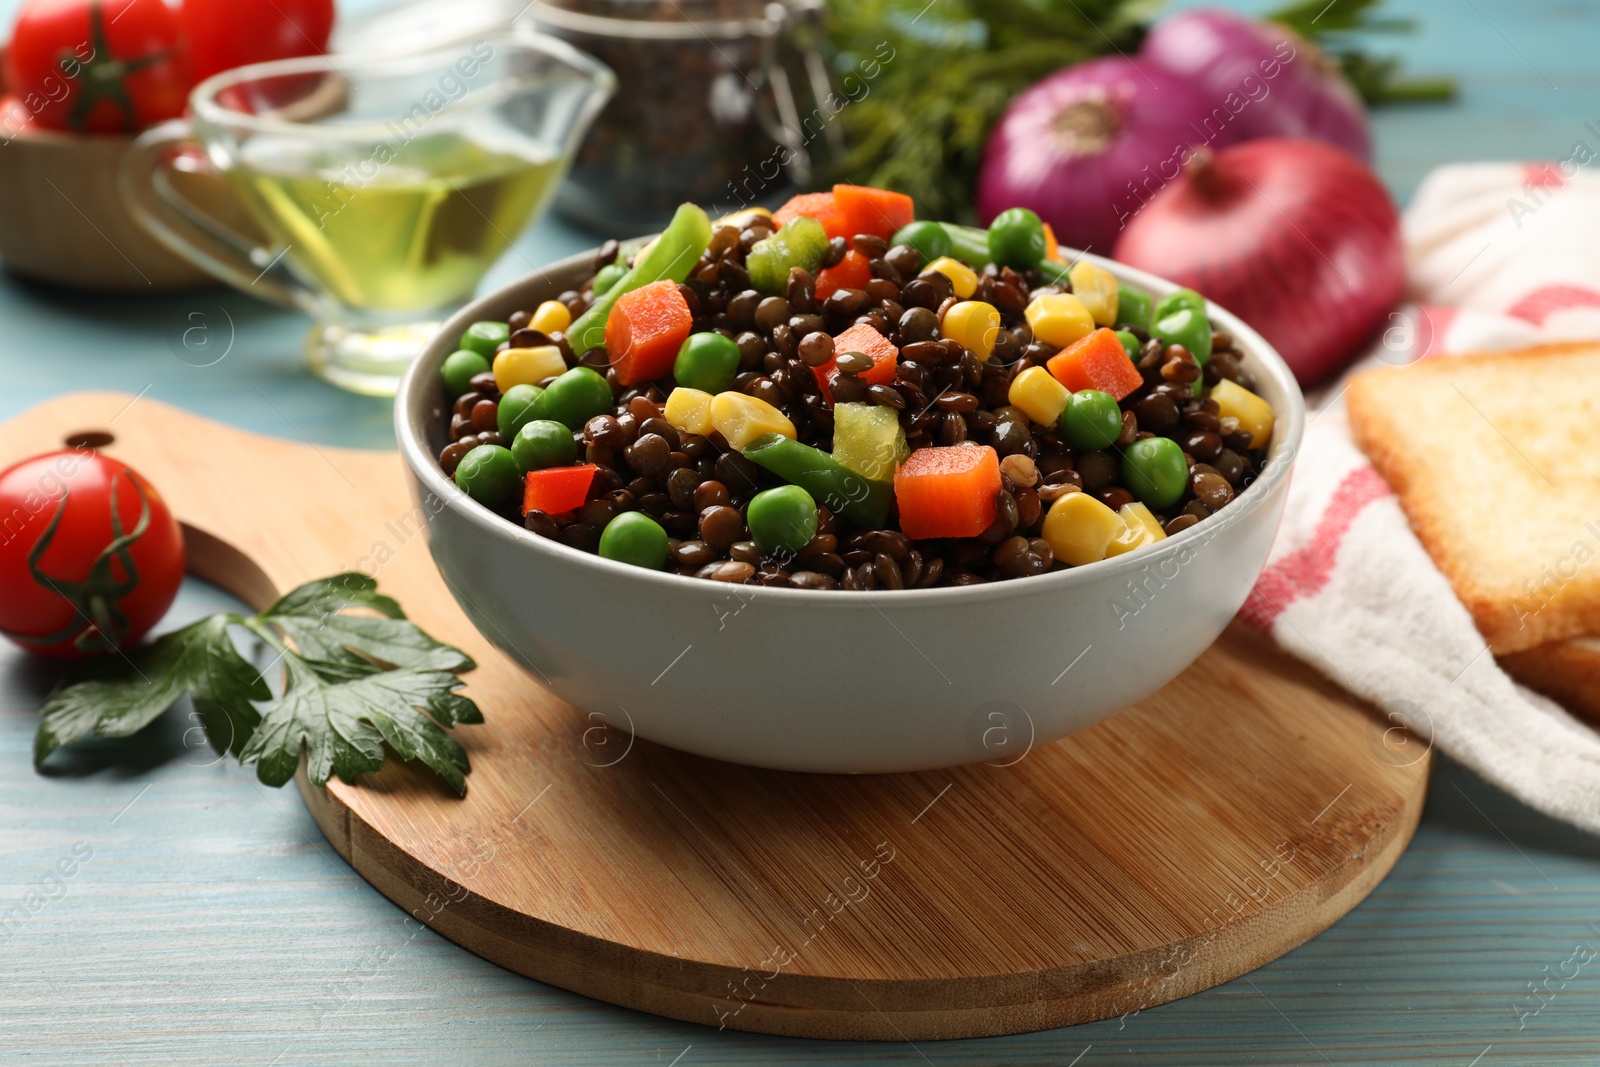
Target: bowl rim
[{"x": 1288, "y": 431}]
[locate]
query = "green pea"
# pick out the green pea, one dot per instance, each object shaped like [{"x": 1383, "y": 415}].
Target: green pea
[
  {"x": 516, "y": 409},
  {"x": 927, "y": 237},
  {"x": 707, "y": 361},
  {"x": 1091, "y": 420},
  {"x": 1016, "y": 238},
  {"x": 542, "y": 443},
  {"x": 1177, "y": 300},
  {"x": 1133, "y": 306},
  {"x": 1186, "y": 327},
  {"x": 484, "y": 337},
  {"x": 490, "y": 475},
  {"x": 458, "y": 370},
  {"x": 609, "y": 275},
  {"x": 1155, "y": 472},
  {"x": 1130, "y": 344},
  {"x": 634, "y": 537},
  {"x": 782, "y": 519},
  {"x": 574, "y": 398}
]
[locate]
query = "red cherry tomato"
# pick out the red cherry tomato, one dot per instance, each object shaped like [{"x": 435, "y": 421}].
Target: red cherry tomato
[
  {"x": 98, "y": 66},
  {"x": 90, "y": 557},
  {"x": 230, "y": 33}
]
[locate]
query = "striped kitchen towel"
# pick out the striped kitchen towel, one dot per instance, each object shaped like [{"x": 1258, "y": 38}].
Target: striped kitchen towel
[{"x": 1500, "y": 255}]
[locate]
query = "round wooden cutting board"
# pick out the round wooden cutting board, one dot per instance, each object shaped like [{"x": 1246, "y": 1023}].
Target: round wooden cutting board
[{"x": 1183, "y": 842}]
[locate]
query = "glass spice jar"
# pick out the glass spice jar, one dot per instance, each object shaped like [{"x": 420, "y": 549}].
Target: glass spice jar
[{"x": 708, "y": 108}]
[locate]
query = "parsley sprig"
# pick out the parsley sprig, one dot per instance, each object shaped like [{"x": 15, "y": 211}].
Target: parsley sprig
[{"x": 352, "y": 684}]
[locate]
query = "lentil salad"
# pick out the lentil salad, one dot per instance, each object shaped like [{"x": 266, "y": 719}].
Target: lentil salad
[{"x": 839, "y": 396}]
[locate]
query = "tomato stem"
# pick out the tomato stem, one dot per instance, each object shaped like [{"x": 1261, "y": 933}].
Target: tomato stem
[
  {"x": 103, "y": 76},
  {"x": 96, "y": 599}
]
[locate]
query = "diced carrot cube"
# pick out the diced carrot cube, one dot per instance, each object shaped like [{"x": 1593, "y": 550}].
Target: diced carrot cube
[
  {"x": 645, "y": 330},
  {"x": 948, "y": 492},
  {"x": 1052, "y": 247},
  {"x": 556, "y": 490},
  {"x": 868, "y": 341},
  {"x": 819, "y": 206},
  {"x": 1097, "y": 361},
  {"x": 879, "y": 212},
  {"x": 854, "y": 271}
]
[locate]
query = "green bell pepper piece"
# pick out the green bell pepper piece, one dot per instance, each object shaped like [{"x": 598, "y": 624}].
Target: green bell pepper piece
[
  {"x": 801, "y": 243},
  {"x": 969, "y": 245},
  {"x": 675, "y": 253},
  {"x": 1054, "y": 272},
  {"x": 836, "y": 487}
]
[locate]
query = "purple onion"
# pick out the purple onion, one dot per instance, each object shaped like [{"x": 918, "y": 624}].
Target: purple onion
[
  {"x": 1087, "y": 146},
  {"x": 1260, "y": 78}
]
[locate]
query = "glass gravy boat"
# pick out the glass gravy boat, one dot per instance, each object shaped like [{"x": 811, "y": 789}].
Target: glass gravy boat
[{"x": 388, "y": 185}]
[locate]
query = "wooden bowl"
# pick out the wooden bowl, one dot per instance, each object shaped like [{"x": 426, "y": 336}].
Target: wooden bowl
[{"x": 62, "y": 220}]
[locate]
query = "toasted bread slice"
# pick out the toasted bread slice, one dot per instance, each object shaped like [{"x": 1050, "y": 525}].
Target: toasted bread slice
[
  {"x": 1565, "y": 671},
  {"x": 1496, "y": 460}
]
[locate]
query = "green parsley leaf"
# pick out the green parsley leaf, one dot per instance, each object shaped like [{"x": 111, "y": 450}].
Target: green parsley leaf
[
  {"x": 342, "y": 726},
  {"x": 198, "y": 659},
  {"x": 352, "y": 684},
  {"x": 341, "y": 646}
]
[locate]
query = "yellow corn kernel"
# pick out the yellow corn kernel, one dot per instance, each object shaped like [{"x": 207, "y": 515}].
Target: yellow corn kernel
[
  {"x": 741, "y": 419},
  {"x": 741, "y": 218},
  {"x": 689, "y": 410},
  {"x": 1142, "y": 528},
  {"x": 1080, "y": 529},
  {"x": 974, "y": 324},
  {"x": 1255, "y": 416},
  {"x": 1097, "y": 288},
  {"x": 1059, "y": 319},
  {"x": 962, "y": 277},
  {"x": 550, "y": 317},
  {"x": 1040, "y": 395},
  {"x": 527, "y": 366}
]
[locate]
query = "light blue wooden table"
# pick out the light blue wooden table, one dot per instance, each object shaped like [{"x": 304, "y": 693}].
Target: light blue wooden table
[{"x": 207, "y": 919}]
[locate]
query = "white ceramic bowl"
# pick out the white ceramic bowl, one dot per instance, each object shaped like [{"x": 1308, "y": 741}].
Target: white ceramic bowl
[{"x": 842, "y": 682}]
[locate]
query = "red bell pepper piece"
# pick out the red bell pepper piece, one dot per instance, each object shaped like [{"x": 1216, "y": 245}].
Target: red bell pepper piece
[
  {"x": 819, "y": 206},
  {"x": 948, "y": 492},
  {"x": 645, "y": 330},
  {"x": 861, "y": 338},
  {"x": 879, "y": 212},
  {"x": 556, "y": 490},
  {"x": 1097, "y": 361},
  {"x": 854, "y": 271}
]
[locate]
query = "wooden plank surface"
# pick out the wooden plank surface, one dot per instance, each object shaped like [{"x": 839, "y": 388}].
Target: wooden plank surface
[
  {"x": 1118, "y": 869},
  {"x": 215, "y": 925}
]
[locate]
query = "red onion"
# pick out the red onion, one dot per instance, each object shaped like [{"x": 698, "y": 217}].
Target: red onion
[
  {"x": 1260, "y": 79},
  {"x": 1086, "y": 146},
  {"x": 1297, "y": 238}
]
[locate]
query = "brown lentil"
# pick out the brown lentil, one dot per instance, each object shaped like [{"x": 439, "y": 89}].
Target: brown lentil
[{"x": 944, "y": 395}]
